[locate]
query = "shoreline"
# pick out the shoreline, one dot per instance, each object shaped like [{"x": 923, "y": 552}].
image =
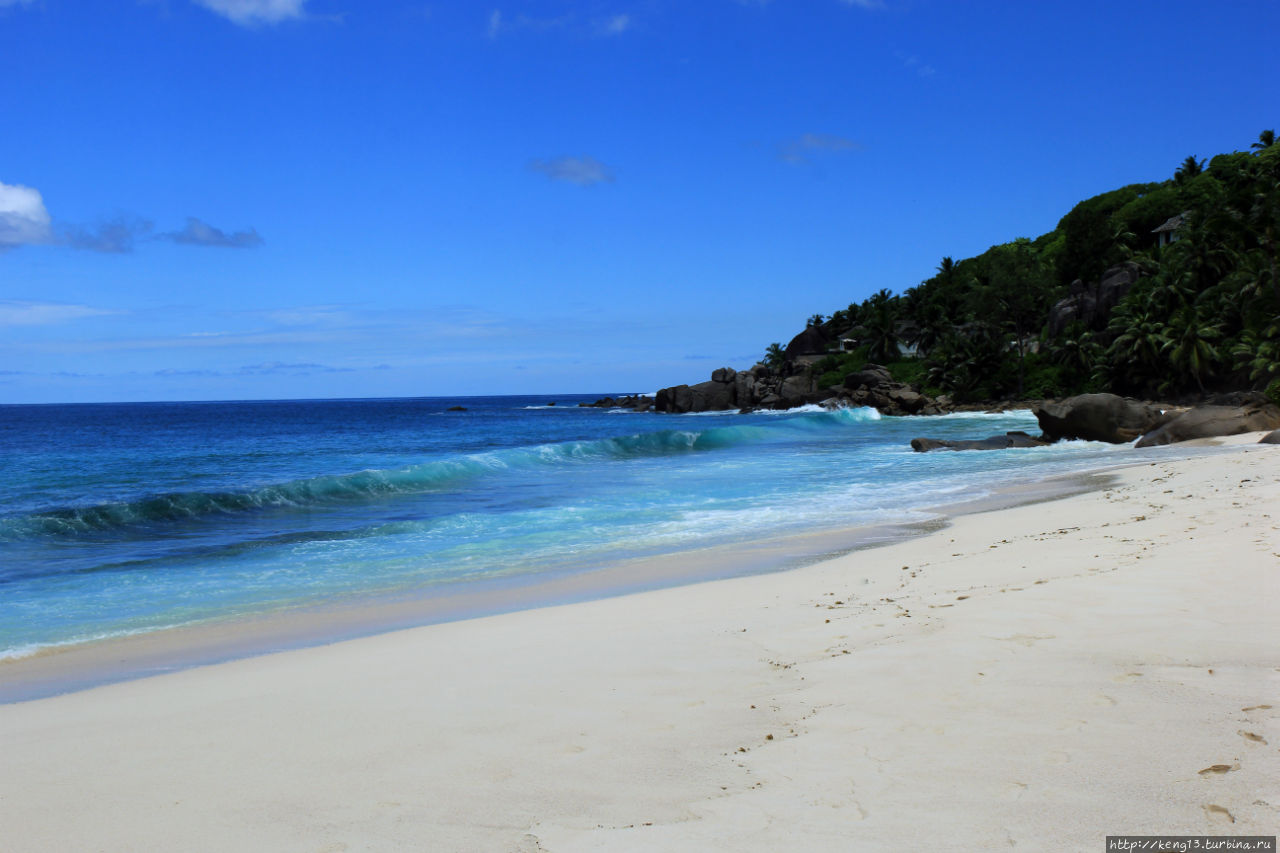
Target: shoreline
[
  {"x": 56, "y": 670},
  {"x": 73, "y": 667},
  {"x": 1101, "y": 664}
]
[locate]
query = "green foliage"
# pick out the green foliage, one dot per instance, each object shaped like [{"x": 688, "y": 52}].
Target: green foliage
[
  {"x": 911, "y": 371},
  {"x": 774, "y": 356},
  {"x": 1146, "y": 212},
  {"x": 1205, "y": 312},
  {"x": 1189, "y": 169},
  {"x": 1273, "y": 392},
  {"x": 833, "y": 368},
  {"x": 1046, "y": 379},
  {"x": 880, "y": 327}
]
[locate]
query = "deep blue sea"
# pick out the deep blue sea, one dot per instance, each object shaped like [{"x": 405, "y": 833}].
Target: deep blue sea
[{"x": 117, "y": 519}]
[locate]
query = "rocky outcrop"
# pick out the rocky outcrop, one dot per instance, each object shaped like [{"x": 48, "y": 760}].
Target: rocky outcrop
[
  {"x": 794, "y": 385},
  {"x": 1213, "y": 421},
  {"x": 809, "y": 342},
  {"x": 703, "y": 397},
  {"x": 870, "y": 376},
  {"x": 631, "y": 401},
  {"x": 995, "y": 442},
  {"x": 1099, "y": 417},
  {"x": 1272, "y": 437},
  {"x": 1091, "y": 305}
]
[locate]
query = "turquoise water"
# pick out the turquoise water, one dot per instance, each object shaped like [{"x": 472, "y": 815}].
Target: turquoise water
[{"x": 120, "y": 519}]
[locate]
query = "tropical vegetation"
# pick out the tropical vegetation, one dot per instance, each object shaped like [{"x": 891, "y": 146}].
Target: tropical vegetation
[{"x": 1196, "y": 307}]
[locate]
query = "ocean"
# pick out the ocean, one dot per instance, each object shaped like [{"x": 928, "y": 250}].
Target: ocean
[{"x": 124, "y": 519}]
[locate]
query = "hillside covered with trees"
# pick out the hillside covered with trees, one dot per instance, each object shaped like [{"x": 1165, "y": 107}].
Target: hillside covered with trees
[{"x": 1164, "y": 290}]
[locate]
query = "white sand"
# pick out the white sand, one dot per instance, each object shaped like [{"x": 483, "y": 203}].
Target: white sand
[{"x": 1039, "y": 677}]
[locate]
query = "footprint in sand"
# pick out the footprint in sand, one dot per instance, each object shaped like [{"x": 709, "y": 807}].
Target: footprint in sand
[
  {"x": 1128, "y": 676},
  {"x": 1251, "y": 737},
  {"x": 1026, "y": 639},
  {"x": 1219, "y": 769},
  {"x": 1217, "y": 814}
]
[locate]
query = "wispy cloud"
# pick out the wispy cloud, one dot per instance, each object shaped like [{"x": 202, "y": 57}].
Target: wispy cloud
[
  {"x": 583, "y": 171},
  {"x": 253, "y": 13},
  {"x": 115, "y": 236},
  {"x": 499, "y": 22},
  {"x": 198, "y": 233},
  {"x": 311, "y": 315},
  {"x": 22, "y": 313},
  {"x": 273, "y": 367},
  {"x": 615, "y": 25},
  {"x": 913, "y": 62},
  {"x": 24, "y": 220},
  {"x": 802, "y": 149}
]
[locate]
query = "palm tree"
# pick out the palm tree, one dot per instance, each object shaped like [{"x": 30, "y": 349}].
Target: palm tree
[
  {"x": 1259, "y": 353},
  {"x": 1135, "y": 352},
  {"x": 1189, "y": 169},
  {"x": 774, "y": 356},
  {"x": 1265, "y": 140},
  {"x": 1189, "y": 343},
  {"x": 929, "y": 326},
  {"x": 1263, "y": 217},
  {"x": 1123, "y": 240},
  {"x": 880, "y": 328},
  {"x": 1077, "y": 351}
]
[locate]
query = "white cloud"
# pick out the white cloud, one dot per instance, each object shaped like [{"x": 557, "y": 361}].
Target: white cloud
[
  {"x": 798, "y": 150},
  {"x": 23, "y": 218},
  {"x": 115, "y": 236},
  {"x": 914, "y": 63},
  {"x": 14, "y": 313},
  {"x": 613, "y": 26},
  {"x": 498, "y": 23},
  {"x": 198, "y": 233},
  {"x": 250, "y": 13},
  {"x": 583, "y": 171}
]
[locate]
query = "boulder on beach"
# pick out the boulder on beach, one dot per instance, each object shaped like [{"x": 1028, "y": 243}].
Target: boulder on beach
[
  {"x": 703, "y": 397},
  {"x": 1272, "y": 437},
  {"x": 870, "y": 376},
  {"x": 995, "y": 442},
  {"x": 809, "y": 342},
  {"x": 1099, "y": 417},
  {"x": 1212, "y": 422}
]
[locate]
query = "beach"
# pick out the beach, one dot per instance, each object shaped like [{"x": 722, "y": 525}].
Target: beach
[{"x": 1037, "y": 676}]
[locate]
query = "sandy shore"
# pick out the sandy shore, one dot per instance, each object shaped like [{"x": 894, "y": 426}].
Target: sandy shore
[{"x": 1041, "y": 677}]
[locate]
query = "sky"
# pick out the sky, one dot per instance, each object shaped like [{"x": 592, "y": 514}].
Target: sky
[{"x": 268, "y": 199}]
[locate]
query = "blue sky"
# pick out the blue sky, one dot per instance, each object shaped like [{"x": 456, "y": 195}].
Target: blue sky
[{"x": 245, "y": 199}]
